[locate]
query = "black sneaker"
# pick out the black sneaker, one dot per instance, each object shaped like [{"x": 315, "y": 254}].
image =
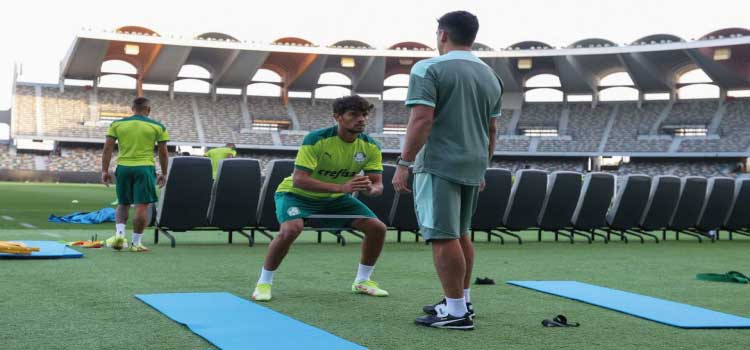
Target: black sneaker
[
  {"x": 442, "y": 306},
  {"x": 464, "y": 323}
]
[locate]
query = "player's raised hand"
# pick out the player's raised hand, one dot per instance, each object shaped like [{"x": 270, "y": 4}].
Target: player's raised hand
[{"x": 106, "y": 178}]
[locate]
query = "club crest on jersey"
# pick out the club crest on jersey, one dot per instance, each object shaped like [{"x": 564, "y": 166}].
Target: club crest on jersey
[
  {"x": 292, "y": 211},
  {"x": 359, "y": 157}
]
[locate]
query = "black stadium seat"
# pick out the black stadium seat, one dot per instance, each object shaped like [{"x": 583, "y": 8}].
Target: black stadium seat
[
  {"x": 563, "y": 189},
  {"x": 593, "y": 203},
  {"x": 234, "y": 197},
  {"x": 738, "y": 219},
  {"x": 692, "y": 197},
  {"x": 492, "y": 202},
  {"x": 662, "y": 202},
  {"x": 627, "y": 209},
  {"x": 525, "y": 202},
  {"x": 183, "y": 203},
  {"x": 719, "y": 195}
]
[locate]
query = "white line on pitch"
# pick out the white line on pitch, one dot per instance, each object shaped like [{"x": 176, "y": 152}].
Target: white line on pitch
[
  {"x": 6, "y": 217},
  {"x": 51, "y": 234},
  {"x": 26, "y": 225}
]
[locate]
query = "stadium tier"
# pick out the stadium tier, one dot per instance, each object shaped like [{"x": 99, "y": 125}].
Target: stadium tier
[
  {"x": 574, "y": 128},
  {"x": 704, "y": 136}
]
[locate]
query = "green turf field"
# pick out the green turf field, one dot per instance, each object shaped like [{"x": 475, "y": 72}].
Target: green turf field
[{"x": 88, "y": 303}]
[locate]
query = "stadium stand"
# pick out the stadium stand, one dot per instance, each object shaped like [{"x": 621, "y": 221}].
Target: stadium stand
[
  {"x": 20, "y": 161},
  {"x": 261, "y": 138},
  {"x": 632, "y": 122},
  {"x": 177, "y": 115},
  {"x": 295, "y": 139},
  {"x": 395, "y": 113},
  {"x": 540, "y": 115},
  {"x": 76, "y": 159},
  {"x": 586, "y": 126},
  {"x": 24, "y": 108},
  {"x": 313, "y": 115},
  {"x": 733, "y": 131},
  {"x": 220, "y": 119},
  {"x": 692, "y": 113},
  {"x": 267, "y": 108}
]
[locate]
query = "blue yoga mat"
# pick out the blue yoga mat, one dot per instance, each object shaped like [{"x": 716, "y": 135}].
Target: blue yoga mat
[
  {"x": 47, "y": 250},
  {"x": 654, "y": 309},
  {"x": 230, "y": 322}
]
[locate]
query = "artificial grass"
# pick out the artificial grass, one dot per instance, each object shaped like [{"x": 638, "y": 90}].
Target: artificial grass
[{"x": 88, "y": 303}]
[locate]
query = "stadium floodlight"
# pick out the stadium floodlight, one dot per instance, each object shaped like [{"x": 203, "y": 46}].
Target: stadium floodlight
[
  {"x": 132, "y": 49},
  {"x": 524, "y": 63},
  {"x": 348, "y": 62},
  {"x": 722, "y": 54}
]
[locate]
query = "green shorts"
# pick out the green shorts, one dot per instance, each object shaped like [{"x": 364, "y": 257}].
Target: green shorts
[
  {"x": 444, "y": 209},
  {"x": 290, "y": 206},
  {"x": 136, "y": 184}
]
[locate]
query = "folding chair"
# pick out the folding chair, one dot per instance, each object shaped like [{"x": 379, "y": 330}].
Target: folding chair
[
  {"x": 738, "y": 220},
  {"x": 525, "y": 202},
  {"x": 687, "y": 213},
  {"x": 563, "y": 189},
  {"x": 719, "y": 195},
  {"x": 491, "y": 202},
  {"x": 234, "y": 197},
  {"x": 590, "y": 213},
  {"x": 662, "y": 201},
  {"x": 626, "y": 212},
  {"x": 185, "y": 197}
]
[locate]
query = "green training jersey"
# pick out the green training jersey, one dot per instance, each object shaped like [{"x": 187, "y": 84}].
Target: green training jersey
[
  {"x": 465, "y": 93},
  {"x": 330, "y": 159},
  {"x": 217, "y": 154},
  {"x": 136, "y": 137}
]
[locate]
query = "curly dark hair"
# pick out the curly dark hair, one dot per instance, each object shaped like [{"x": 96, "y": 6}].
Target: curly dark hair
[{"x": 354, "y": 103}]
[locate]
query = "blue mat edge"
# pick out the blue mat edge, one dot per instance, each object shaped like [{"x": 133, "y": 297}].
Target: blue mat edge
[
  {"x": 514, "y": 283},
  {"x": 138, "y": 296}
]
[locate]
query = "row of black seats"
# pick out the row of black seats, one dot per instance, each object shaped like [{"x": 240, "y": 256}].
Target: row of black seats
[{"x": 565, "y": 203}]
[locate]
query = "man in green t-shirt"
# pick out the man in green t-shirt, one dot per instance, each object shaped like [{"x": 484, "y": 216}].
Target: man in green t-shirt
[
  {"x": 454, "y": 100},
  {"x": 218, "y": 154},
  {"x": 135, "y": 175},
  {"x": 326, "y": 174}
]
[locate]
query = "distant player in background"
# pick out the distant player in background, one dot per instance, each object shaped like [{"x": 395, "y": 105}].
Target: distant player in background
[
  {"x": 454, "y": 100},
  {"x": 325, "y": 177},
  {"x": 135, "y": 175},
  {"x": 218, "y": 154}
]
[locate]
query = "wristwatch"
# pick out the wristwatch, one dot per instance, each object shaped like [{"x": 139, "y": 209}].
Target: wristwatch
[{"x": 401, "y": 162}]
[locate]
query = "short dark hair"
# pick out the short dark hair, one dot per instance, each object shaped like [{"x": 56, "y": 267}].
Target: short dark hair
[
  {"x": 354, "y": 103},
  {"x": 461, "y": 27},
  {"x": 230, "y": 145},
  {"x": 141, "y": 103}
]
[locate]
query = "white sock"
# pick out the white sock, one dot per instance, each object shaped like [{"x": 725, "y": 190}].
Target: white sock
[
  {"x": 265, "y": 276},
  {"x": 456, "y": 307},
  {"x": 467, "y": 295},
  {"x": 119, "y": 230},
  {"x": 137, "y": 238},
  {"x": 363, "y": 273}
]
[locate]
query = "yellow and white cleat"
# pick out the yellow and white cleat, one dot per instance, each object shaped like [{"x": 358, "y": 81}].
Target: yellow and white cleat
[{"x": 369, "y": 287}]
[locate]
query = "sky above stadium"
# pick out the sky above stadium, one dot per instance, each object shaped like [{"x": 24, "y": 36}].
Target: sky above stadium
[{"x": 38, "y": 33}]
